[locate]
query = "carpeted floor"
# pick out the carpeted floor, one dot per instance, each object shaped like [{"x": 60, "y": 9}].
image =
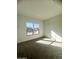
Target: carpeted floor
[{"x": 39, "y": 49}]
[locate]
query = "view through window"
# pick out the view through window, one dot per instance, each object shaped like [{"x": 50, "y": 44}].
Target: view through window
[{"x": 32, "y": 28}]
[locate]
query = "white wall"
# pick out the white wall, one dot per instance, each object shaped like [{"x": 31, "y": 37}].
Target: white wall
[
  {"x": 54, "y": 24},
  {"x": 21, "y": 28}
]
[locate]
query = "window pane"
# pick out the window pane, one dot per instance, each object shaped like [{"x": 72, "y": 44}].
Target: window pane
[
  {"x": 29, "y": 25},
  {"x": 29, "y": 28},
  {"x": 36, "y": 28},
  {"x": 36, "y": 25}
]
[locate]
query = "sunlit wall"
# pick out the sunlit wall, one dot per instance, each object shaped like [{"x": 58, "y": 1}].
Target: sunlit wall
[{"x": 53, "y": 28}]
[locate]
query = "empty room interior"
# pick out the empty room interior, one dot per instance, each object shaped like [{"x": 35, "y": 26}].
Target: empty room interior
[{"x": 39, "y": 29}]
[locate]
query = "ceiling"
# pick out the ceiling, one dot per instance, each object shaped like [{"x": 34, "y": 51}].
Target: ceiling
[{"x": 39, "y": 9}]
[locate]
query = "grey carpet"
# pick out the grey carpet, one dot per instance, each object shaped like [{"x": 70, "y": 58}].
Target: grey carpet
[{"x": 33, "y": 50}]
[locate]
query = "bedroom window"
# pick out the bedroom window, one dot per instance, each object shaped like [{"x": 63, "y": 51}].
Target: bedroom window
[
  {"x": 36, "y": 28},
  {"x": 32, "y": 28},
  {"x": 29, "y": 30}
]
